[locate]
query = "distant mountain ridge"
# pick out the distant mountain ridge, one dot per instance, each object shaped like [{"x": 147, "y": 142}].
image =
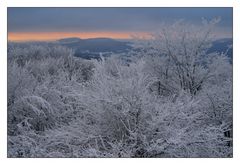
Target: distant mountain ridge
[
  {"x": 94, "y": 44},
  {"x": 91, "y": 48},
  {"x": 69, "y": 40},
  {"x": 222, "y": 46}
]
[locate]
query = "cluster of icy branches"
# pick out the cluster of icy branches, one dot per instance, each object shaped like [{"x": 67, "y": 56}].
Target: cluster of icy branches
[{"x": 170, "y": 99}]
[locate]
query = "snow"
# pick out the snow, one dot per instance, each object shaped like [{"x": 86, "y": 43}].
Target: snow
[{"x": 170, "y": 100}]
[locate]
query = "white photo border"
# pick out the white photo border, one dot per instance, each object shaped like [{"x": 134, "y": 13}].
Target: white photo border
[{"x": 4, "y": 4}]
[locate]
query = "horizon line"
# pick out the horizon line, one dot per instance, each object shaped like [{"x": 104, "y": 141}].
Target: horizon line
[{"x": 54, "y": 36}]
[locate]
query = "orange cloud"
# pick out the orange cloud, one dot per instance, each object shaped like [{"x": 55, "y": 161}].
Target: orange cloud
[{"x": 51, "y": 36}]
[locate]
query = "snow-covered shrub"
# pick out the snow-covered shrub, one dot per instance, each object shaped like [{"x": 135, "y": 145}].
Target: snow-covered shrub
[{"x": 33, "y": 112}]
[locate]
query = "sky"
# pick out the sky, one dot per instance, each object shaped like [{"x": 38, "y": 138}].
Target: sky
[{"x": 120, "y": 23}]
